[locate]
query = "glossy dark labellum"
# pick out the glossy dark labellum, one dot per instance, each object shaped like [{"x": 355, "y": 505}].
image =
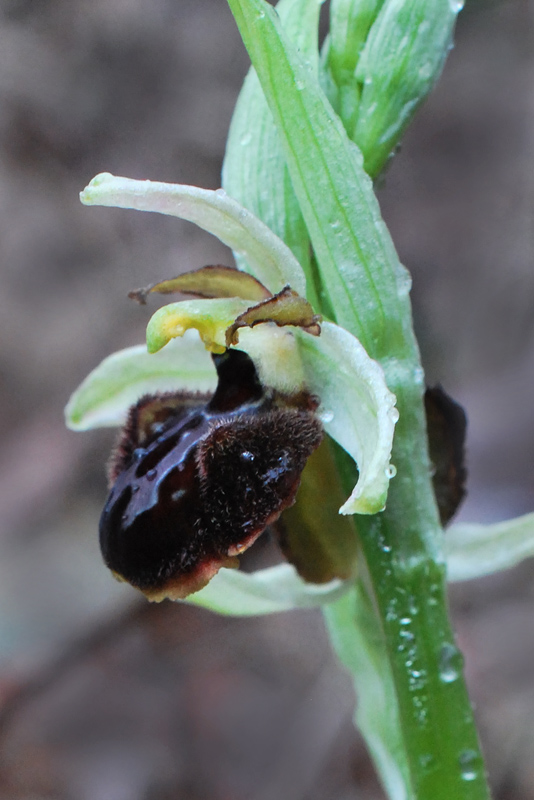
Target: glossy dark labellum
[{"x": 196, "y": 480}]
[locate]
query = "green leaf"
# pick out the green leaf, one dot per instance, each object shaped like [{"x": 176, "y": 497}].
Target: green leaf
[
  {"x": 268, "y": 258},
  {"x": 360, "y": 271},
  {"x": 402, "y": 59},
  {"x": 104, "y": 397},
  {"x": 266, "y": 591},
  {"x": 254, "y": 169},
  {"x": 350, "y": 21},
  {"x": 477, "y": 550}
]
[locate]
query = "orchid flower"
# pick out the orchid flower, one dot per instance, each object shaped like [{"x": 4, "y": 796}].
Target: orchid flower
[
  {"x": 276, "y": 327},
  {"x": 308, "y": 134}
]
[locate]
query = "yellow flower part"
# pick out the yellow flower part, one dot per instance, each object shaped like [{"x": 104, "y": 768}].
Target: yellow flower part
[{"x": 210, "y": 318}]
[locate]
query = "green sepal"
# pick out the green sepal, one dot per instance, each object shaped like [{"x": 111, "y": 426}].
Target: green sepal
[
  {"x": 265, "y": 255},
  {"x": 477, "y": 550},
  {"x": 106, "y": 394},
  {"x": 266, "y": 591}
]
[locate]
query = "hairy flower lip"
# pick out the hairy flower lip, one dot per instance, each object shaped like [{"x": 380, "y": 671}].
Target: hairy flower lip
[{"x": 185, "y": 500}]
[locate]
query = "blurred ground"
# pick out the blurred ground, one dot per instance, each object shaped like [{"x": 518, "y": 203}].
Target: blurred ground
[{"x": 106, "y": 697}]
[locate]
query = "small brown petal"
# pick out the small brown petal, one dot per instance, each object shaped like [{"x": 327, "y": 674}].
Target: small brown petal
[
  {"x": 285, "y": 308},
  {"x": 447, "y": 426},
  {"x": 209, "y": 282}
]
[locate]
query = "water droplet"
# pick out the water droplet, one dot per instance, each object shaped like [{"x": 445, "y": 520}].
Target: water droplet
[
  {"x": 391, "y": 471},
  {"x": 151, "y": 475},
  {"x": 404, "y": 282},
  {"x": 177, "y": 495},
  {"x": 417, "y": 673},
  {"x": 246, "y": 455},
  {"x": 469, "y": 762},
  {"x": 419, "y": 375},
  {"x": 394, "y": 415},
  {"x": 425, "y": 71},
  {"x": 456, "y": 5},
  {"x": 405, "y": 621},
  {"x": 426, "y": 760},
  {"x": 138, "y": 453},
  {"x": 245, "y": 139},
  {"x": 299, "y": 85},
  {"x": 450, "y": 663},
  {"x": 135, "y": 488},
  {"x": 326, "y": 415},
  {"x": 220, "y": 192}
]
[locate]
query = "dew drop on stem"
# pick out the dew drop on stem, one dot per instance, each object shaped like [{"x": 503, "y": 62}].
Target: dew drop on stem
[
  {"x": 450, "y": 663},
  {"x": 470, "y": 764}
]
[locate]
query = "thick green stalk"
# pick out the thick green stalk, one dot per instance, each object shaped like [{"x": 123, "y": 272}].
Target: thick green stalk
[
  {"x": 439, "y": 739},
  {"x": 428, "y": 728}
]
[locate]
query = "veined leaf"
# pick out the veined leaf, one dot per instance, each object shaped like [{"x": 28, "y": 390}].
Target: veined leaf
[
  {"x": 360, "y": 270},
  {"x": 402, "y": 59},
  {"x": 350, "y": 21},
  {"x": 254, "y": 169}
]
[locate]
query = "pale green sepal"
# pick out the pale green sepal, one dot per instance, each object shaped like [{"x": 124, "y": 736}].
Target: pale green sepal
[
  {"x": 254, "y": 169},
  {"x": 476, "y": 550},
  {"x": 402, "y": 58},
  {"x": 266, "y": 591},
  {"x": 104, "y": 397},
  {"x": 268, "y": 258},
  {"x": 357, "y": 408}
]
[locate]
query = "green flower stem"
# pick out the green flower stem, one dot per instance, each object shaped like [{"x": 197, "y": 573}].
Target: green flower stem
[
  {"x": 437, "y": 729},
  {"x": 435, "y": 749}
]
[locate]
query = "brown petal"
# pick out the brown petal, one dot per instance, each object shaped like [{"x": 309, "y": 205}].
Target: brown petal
[
  {"x": 210, "y": 281},
  {"x": 447, "y": 425},
  {"x": 285, "y": 308}
]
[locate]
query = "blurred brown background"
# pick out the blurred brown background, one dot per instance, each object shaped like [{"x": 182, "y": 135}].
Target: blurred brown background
[{"x": 104, "y": 696}]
